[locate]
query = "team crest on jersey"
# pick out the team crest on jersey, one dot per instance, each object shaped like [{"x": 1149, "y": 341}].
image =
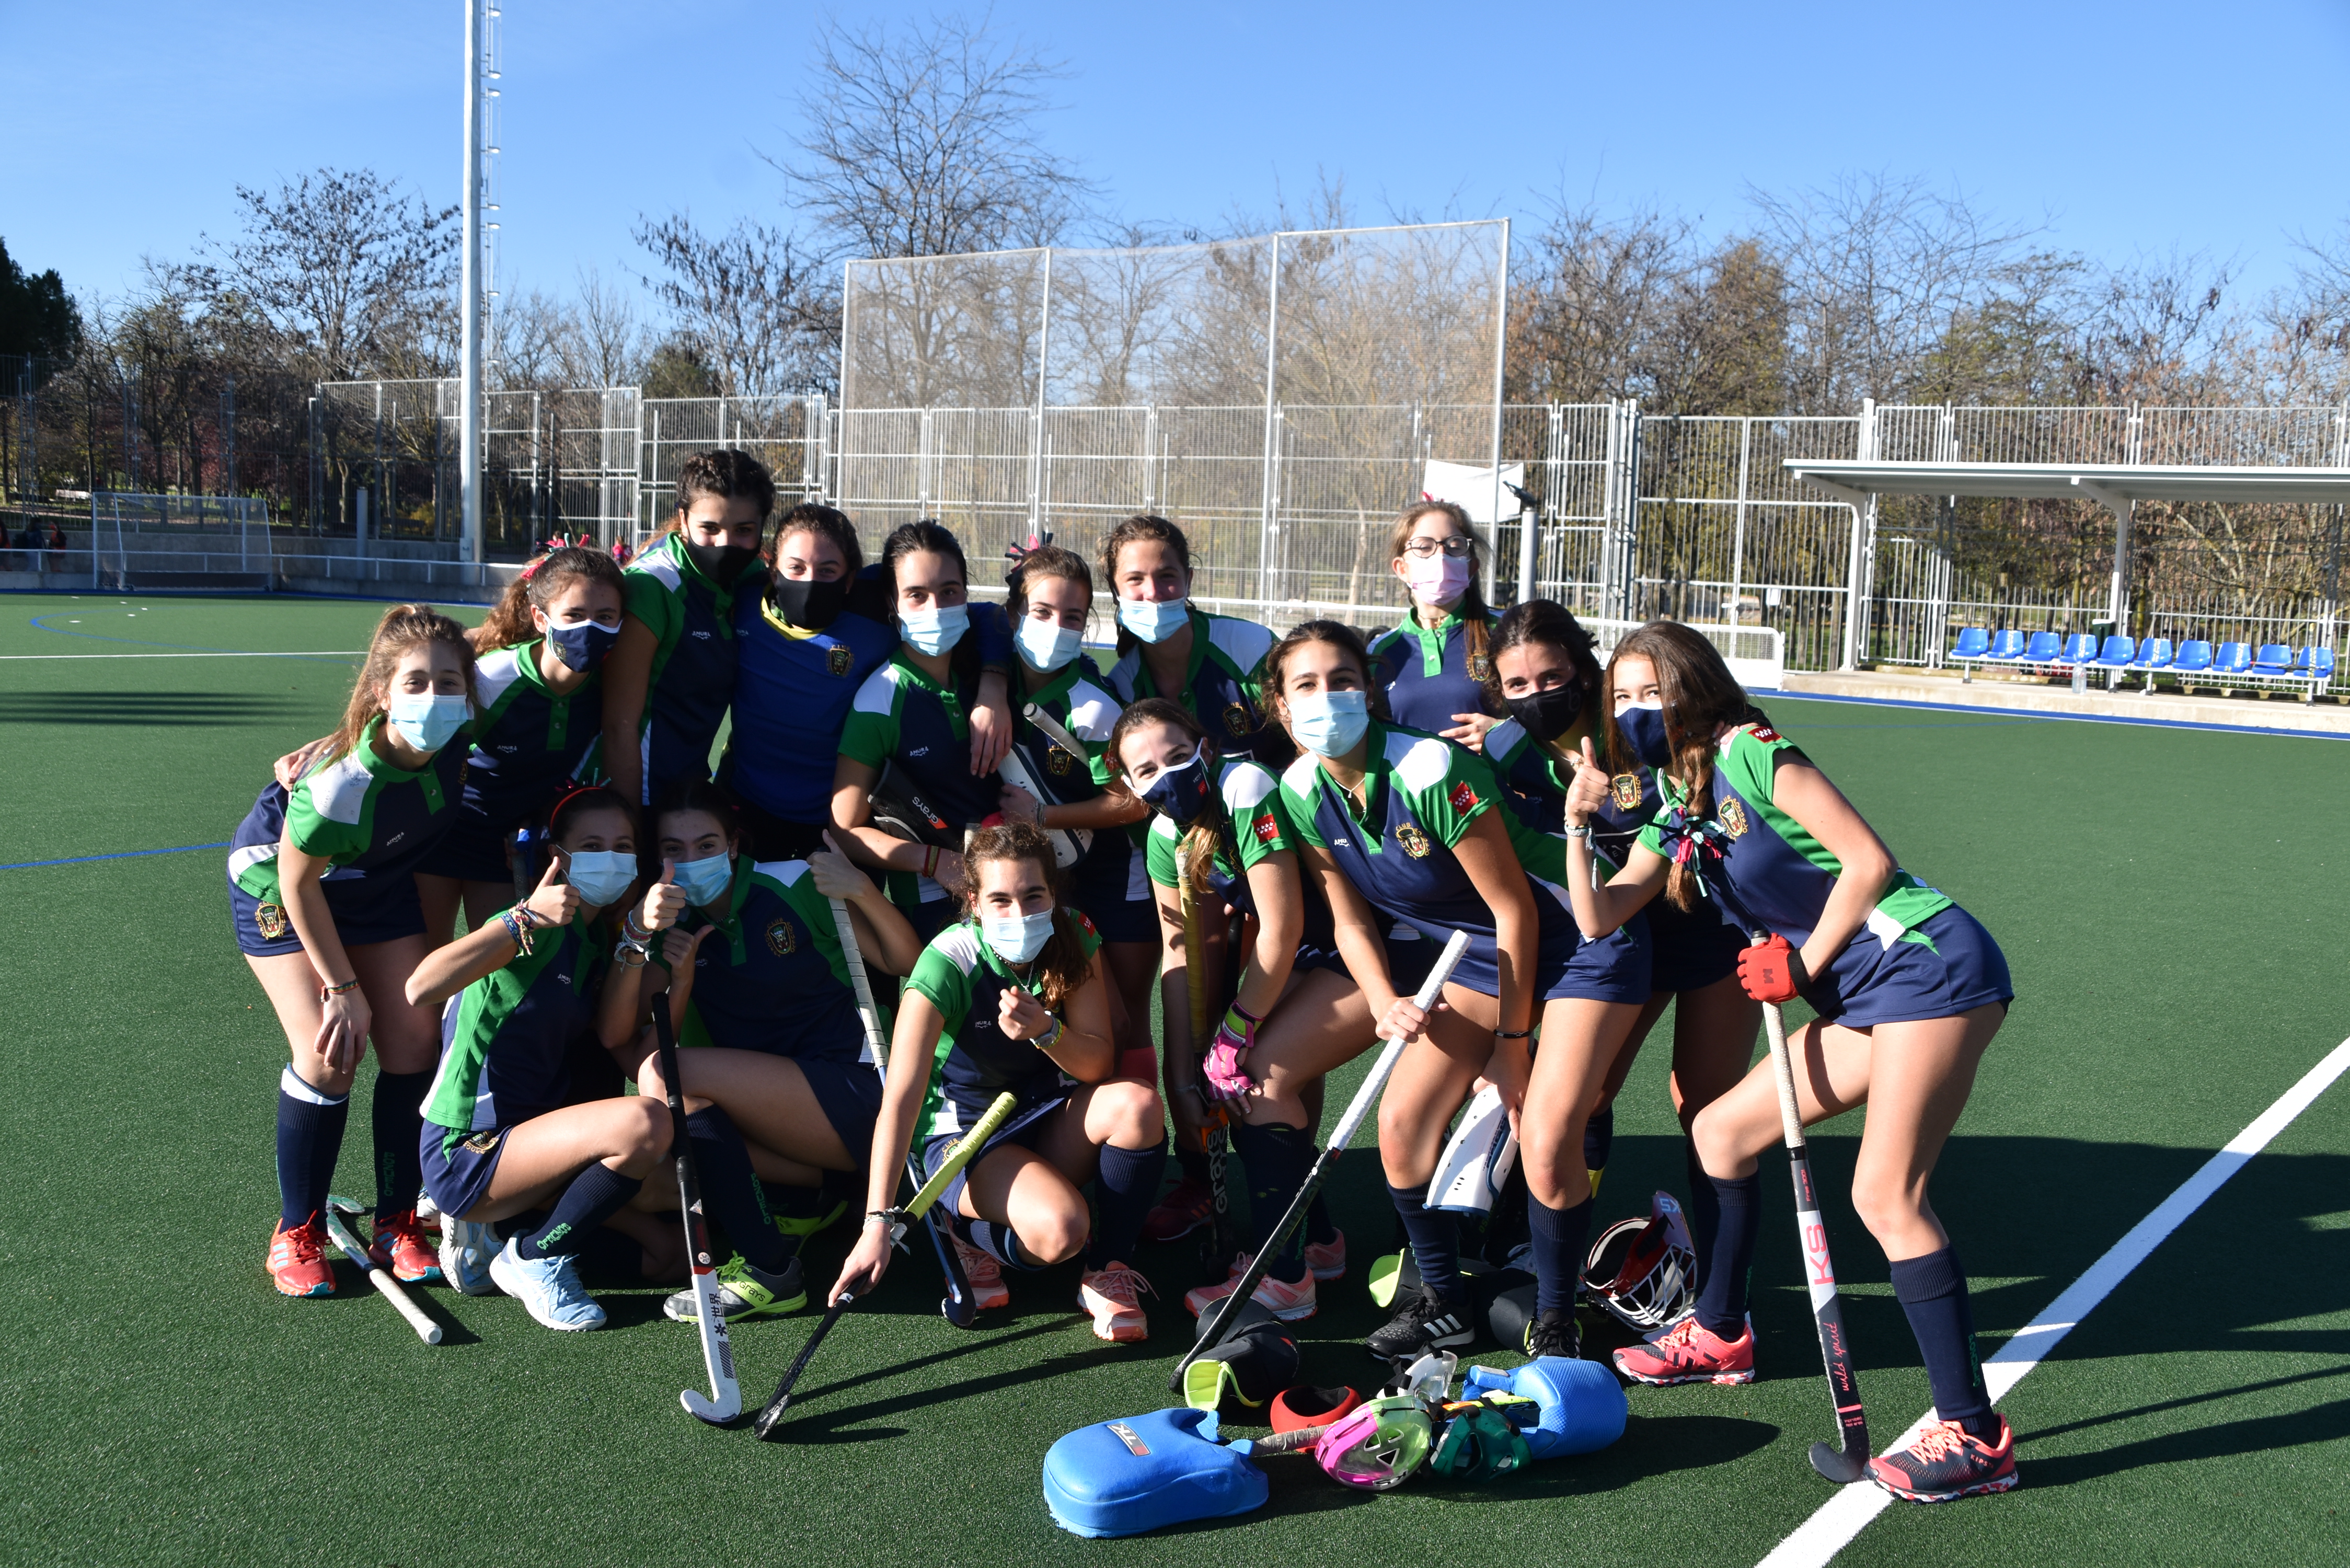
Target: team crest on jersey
[
  {"x": 1480, "y": 667},
  {"x": 271, "y": 918},
  {"x": 1057, "y": 763},
  {"x": 1414, "y": 842},
  {"x": 1238, "y": 720},
  {"x": 1626, "y": 788},
  {"x": 1463, "y": 797},
  {"x": 783, "y": 937},
  {"x": 1733, "y": 818},
  {"x": 838, "y": 659}
]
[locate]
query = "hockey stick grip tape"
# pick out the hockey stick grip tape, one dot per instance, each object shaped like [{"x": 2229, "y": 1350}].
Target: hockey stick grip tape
[
  {"x": 1367, "y": 1095},
  {"x": 965, "y": 1149}
]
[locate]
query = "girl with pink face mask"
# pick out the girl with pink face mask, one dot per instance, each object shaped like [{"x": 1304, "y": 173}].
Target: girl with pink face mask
[{"x": 1434, "y": 666}]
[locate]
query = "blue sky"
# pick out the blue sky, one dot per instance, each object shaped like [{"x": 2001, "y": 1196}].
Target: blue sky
[{"x": 2127, "y": 129}]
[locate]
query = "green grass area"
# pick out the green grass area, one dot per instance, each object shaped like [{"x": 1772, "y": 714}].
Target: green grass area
[{"x": 2172, "y": 903}]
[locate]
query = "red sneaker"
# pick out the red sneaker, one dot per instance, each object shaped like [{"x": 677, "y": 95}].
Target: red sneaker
[
  {"x": 1689, "y": 1353},
  {"x": 1327, "y": 1259},
  {"x": 983, "y": 1273},
  {"x": 297, "y": 1260},
  {"x": 1182, "y": 1212},
  {"x": 1113, "y": 1295},
  {"x": 1944, "y": 1464},
  {"x": 400, "y": 1248},
  {"x": 1289, "y": 1302}
]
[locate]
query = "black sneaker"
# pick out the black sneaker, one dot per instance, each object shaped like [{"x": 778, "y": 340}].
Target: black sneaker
[
  {"x": 1555, "y": 1333},
  {"x": 1427, "y": 1322}
]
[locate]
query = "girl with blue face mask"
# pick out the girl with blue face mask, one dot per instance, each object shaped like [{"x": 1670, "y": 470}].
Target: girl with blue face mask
[
  {"x": 1401, "y": 825},
  {"x": 1212, "y": 665},
  {"x": 322, "y": 890},
  {"x": 1012, "y": 1000},
  {"x": 511, "y": 1122},
  {"x": 777, "y": 1081},
  {"x": 911, "y": 720}
]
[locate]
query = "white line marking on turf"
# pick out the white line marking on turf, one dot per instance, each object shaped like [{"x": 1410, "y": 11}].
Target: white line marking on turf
[
  {"x": 1842, "y": 1516},
  {"x": 225, "y": 653}
]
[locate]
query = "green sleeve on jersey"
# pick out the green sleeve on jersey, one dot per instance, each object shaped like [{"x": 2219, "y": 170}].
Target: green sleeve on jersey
[
  {"x": 1263, "y": 828},
  {"x": 315, "y": 833},
  {"x": 1089, "y": 941},
  {"x": 482, "y": 1008},
  {"x": 1301, "y": 788},
  {"x": 651, "y": 601},
  {"x": 1463, "y": 793},
  {"x": 941, "y": 979},
  {"x": 869, "y": 738},
  {"x": 1158, "y": 851}
]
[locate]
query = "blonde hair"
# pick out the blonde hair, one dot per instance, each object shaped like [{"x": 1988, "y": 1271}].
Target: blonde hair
[{"x": 403, "y": 627}]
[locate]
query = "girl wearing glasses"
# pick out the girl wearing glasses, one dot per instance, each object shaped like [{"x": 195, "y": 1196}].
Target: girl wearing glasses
[{"x": 1435, "y": 665}]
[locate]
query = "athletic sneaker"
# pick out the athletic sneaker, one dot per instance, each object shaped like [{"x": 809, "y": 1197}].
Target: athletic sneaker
[
  {"x": 402, "y": 1249},
  {"x": 1944, "y": 1464},
  {"x": 1113, "y": 1293},
  {"x": 428, "y": 1213},
  {"x": 1327, "y": 1259},
  {"x": 1425, "y": 1323},
  {"x": 1688, "y": 1352},
  {"x": 744, "y": 1292},
  {"x": 548, "y": 1289},
  {"x": 1291, "y": 1302},
  {"x": 297, "y": 1260},
  {"x": 982, "y": 1273},
  {"x": 466, "y": 1248},
  {"x": 1184, "y": 1210},
  {"x": 1555, "y": 1333}
]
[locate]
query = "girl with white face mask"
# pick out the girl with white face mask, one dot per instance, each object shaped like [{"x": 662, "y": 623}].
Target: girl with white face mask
[
  {"x": 1435, "y": 665},
  {"x": 1012, "y": 1000},
  {"x": 322, "y": 889}
]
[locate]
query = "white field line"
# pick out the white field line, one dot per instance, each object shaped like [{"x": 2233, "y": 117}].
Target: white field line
[
  {"x": 1842, "y": 1516},
  {"x": 229, "y": 653}
]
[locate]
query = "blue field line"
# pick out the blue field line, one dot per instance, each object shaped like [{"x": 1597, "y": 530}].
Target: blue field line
[
  {"x": 119, "y": 855},
  {"x": 2034, "y": 715}
]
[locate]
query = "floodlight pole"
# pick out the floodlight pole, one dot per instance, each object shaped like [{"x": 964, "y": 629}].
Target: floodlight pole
[
  {"x": 469, "y": 284},
  {"x": 1501, "y": 346},
  {"x": 1264, "y": 550}
]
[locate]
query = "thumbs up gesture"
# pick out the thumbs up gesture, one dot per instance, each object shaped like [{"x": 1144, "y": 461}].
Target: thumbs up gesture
[
  {"x": 1588, "y": 791},
  {"x": 678, "y": 948},
  {"x": 664, "y": 901},
  {"x": 553, "y": 901}
]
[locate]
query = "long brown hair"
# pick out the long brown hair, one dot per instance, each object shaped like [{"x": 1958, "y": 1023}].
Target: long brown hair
[
  {"x": 1061, "y": 965},
  {"x": 1141, "y": 526},
  {"x": 403, "y": 627},
  {"x": 1548, "y": 624},
  {"x": 1470, "y": 607},
  {"x": 541, "y": 584},
  {"x": 1212, "y": 834},
  {"x": 1701, "y": 696}
]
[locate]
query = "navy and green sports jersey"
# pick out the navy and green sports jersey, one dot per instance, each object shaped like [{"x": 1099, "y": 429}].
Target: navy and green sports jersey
[
  {"x": 1420, "y": 793},
  {"x": 900, "y": 715},
  {"x": 1428, "y": 673},
  {"x": 371, "y": 819},
  {"x": 1080, "y": 706},
  {"x": 1763, "y": 865},
  {"x": 1224, "y": 687},
  {"x": 1261, "y": 827},
  {"x": 692, "y": 677},
  {"x": 772, "y": 977},
  {"x": 506, "y": 1039},
  {"x": 529, "y": 742},
  {"x": 965, "y": 981},
  {"x": 793, "y": 688}
]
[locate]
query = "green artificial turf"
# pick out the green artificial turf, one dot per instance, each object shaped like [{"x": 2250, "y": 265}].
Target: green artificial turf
[{"x": 2172, "y": 903}]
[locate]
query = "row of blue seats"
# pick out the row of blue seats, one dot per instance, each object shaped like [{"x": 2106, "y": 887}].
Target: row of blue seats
[{"x": 2192, "y": 662}]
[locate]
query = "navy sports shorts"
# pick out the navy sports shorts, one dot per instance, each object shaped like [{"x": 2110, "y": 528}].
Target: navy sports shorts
[
  {"x": 1941, "y": 967},
  {"x": 1691, "y": 950},
  {"x": 1022, "y": 1129},
  {"x": 471, "y": 851},
  {"x": 1118, "y": 900},
  {"x": 849, "y": 1092},
  {"x": 366, "y": 909},
  {"x": 458, "y": 1177},
  {"x": 1617, "y": 967}
]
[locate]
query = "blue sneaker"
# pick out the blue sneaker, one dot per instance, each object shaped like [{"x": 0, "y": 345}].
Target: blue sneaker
[
  {"x": 466, "y": 1249},
  {"x": 548, "y": 1289}
]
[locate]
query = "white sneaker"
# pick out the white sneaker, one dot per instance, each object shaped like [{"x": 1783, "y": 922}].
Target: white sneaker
[
  {"x": 548, "y": 1289},
  {"x": 466, "y": 1249}
]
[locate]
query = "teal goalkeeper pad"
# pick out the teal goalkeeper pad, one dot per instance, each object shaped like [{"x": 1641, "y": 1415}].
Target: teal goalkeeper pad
[{"x": 1125, "y": 1477}]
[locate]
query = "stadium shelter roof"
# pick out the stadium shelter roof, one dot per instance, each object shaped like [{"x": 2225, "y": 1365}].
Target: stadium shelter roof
[{"x": 2114, "y": 484}]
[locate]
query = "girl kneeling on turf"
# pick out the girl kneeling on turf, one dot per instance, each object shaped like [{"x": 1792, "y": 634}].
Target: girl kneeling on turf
[
  {"x": 1909, "y": 990},
  {"x": 773, "y": 1052},
  {"x": 1400, "y": 826},
  {"x": 499, "y": 1139},
  {"x": 1013, "y": 999},
  {"x": 322, "y": 890}
]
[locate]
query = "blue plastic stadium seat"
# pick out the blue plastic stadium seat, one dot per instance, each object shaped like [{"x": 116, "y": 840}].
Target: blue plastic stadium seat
[
  {"x": 2153, "y": 653},
  {"x": 2079, "y": 648},
  {"x": 2274, "y": 658},
  {"x": 2116, "y": 654},
  {"x": 2315, "y": 664},
  {"x": 2045, "y": 648},
  {"x": 2194, "y": 658},
  {"x": 2006, "y": 648},
  {"x": 2233, "y": 658},
  {"x": 1974, "y": 642}
]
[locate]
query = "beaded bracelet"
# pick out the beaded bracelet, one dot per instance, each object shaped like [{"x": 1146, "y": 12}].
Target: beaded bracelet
[
  {"x": 635, "y": 933},
  {"x": 347, "y": 987},
  {"x": 517, "y": 930},
  {"x": 621, "y": 951}
]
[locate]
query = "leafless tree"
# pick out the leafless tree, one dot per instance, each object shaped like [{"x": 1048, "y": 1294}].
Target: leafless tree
[
  {"x": 609, "y": 348},
  {"x": 1590, "y": 298},
  {"x": 756, "y": 308}
]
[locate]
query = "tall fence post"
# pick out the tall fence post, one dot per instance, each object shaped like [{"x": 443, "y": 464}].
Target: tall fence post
[
  {"x": 1267, "y": 528},
  {"x": 1738, "y": 536},
  {"x": 1036, "y": 435},
  {"x": 1864, "y": 549},
  {"x": 2117, "y": 591},
  {"x": 1501, "y": 345}
]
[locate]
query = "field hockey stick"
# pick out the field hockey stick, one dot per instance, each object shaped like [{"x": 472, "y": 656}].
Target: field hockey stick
[
  {"x": 1849, "y": 1462},
  {"x": 1220, "y": 1324},
  {"x": 963, "y": 1150},
  {"x": 1052, "y": 730},
  {"x": 957, "y": 1307},
  {"x": 1216, "y": 1252},
  {"x": 426, "y": 1329},
  {"x": 726, "y": 1401}
]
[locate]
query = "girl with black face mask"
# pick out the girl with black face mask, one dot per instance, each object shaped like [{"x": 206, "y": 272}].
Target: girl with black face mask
[
  {"x": 1546, "y": 679},
  {"x": 1295, "y": 1013}
]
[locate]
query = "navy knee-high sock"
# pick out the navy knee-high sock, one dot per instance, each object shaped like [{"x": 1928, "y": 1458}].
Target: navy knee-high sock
[
  {"x": 1124, "y": 1191},
  {"x": 309, "y": 1137},
  {"x": 1320, "y": 1229},
  {"x": 1560, "y": 1236},
  {"x": 731, "y": 1190},
  {"x": 1277, "y": 1158},
  {"x": 398, "y": 1121},
  {"x": 1435, "y": 1241},
  {"x": 1191, "y": 1163},
  {"x": 1932, "y": 1291},
  {"x": 1598, "y": 1139},
  {"x": 1704, "y": 1213},
  {"x": 1738, "y": 1210},
  {"x": 997, "y": 1240},
  {"x": 595, "y": 1195}
]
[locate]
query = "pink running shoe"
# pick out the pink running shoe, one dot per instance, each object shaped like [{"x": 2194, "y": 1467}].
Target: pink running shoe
[{"x": 1688, "y": 1352}]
